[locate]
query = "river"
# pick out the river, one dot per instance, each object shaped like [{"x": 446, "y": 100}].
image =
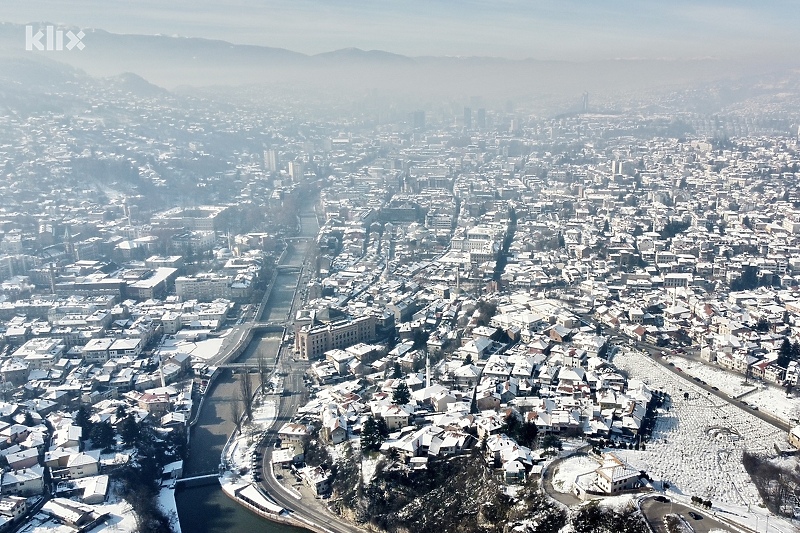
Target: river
[{"x": 205, "y": 508}]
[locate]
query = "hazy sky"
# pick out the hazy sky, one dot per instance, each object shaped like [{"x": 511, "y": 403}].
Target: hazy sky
[{"x": 541, "y": 29}]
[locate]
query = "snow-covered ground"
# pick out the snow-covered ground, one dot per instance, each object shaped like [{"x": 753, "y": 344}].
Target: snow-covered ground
[
  {"x": 166, "y": 501},
  {"x": 368, "y": 465},
  {"x": 775, "y": 402},
  {"x": 122, "y": 518},
  {"x": 240, "y": 449},
  {"x": 204, "y": 349},
  {"x": 730, "y": 383},
  {"x": 569, "y": 469},
  {"x": 697, "y": 444},
  {"x": 768, "y": 398},
  {"x": 756, "y": 519}
]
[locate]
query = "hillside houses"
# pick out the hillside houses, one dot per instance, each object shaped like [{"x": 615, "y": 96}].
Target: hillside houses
[{"x": 557, "y": 386}]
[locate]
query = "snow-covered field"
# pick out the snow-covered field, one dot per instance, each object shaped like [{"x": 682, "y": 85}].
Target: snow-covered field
[
  {"x": 698, "y": 442},
  {"x": 368, "y": 465},
  {"x": 768, "y": 398},
  {"x": 730, "y": 383}
]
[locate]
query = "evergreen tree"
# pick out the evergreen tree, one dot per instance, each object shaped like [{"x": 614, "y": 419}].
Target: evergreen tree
[
  {"x": 383, "y": 429},
  {"x": 83, "y": 419},
  {"x": 371, "y": 438},
  {"x": 103, "y": 435},
  {"x": 128, "y": 430},
  {"x": 551, "y": 441},
  {"x": 511, "y": 425},
  {"x": 591, "y": 519},
  {"x": 401, "y": 394},
  {"x": 527, "y": 434},
  {"x": 784, "y": 353}
]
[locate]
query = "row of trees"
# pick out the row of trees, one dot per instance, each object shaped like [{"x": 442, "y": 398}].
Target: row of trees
[
  {"x": 777, "y": 485},
  {"x": 788, "y": 352},
  {"x": 242, "y": 405},
  {"x": 102, "y": 434},
  {"x": 697, "y": 500}
]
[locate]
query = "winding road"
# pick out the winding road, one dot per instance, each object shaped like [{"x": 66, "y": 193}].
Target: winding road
[
  {"x": 307, "y": 509},
  {"x": 654, "y": 512},
  {"x": 295, "y": 393}
]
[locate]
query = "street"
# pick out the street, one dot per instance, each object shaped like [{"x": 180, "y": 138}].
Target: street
[
  {"x": 295, "y": 394},
  {"x": 654, "y": 352},
  {"x": 654, "y": 512}
]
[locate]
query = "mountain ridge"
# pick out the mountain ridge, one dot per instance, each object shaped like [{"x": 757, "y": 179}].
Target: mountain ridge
[{"x": 173, "y": 61}]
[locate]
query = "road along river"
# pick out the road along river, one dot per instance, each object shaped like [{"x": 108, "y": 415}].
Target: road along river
[{"x": 205, "y": 508}]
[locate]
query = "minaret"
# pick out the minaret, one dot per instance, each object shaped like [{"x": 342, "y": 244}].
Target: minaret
[
  {"x": 427, "y": 370},
  {"x": 161, "y": 369},
  {"x": 68, "y": 243},
  {"x": 52, "y": 278},
  {"x": 126, "y": 211}
]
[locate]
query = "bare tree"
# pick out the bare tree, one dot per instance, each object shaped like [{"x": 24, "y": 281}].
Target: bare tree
[
  {"x": 263, "y": 372},
  {"x": 246, "y": 394},
  {"x": 236, "y": 411}
]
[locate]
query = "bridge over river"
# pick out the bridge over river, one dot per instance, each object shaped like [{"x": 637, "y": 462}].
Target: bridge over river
[{"x": 245, "y": 345}]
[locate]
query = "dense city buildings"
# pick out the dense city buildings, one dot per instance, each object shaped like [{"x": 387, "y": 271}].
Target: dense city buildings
[{"x": 621, "y": 277}]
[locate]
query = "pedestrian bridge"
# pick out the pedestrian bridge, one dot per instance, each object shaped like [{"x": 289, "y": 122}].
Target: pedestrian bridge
[
  {"x": 199, "y": 480},
  {"x": 250, "y": 367},
  {"x": 267, "y": 326}
]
